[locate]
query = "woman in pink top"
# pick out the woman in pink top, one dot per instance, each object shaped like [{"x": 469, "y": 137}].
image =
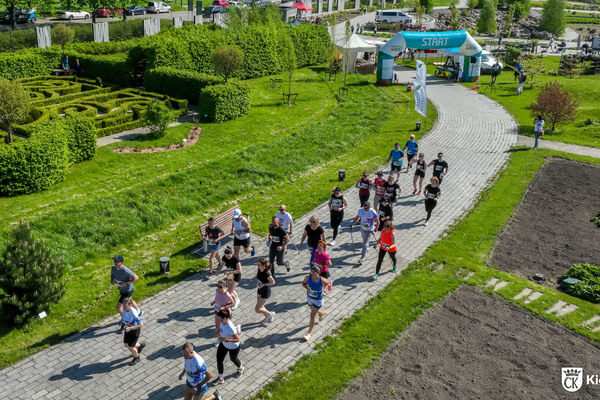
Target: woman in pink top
[
  {"x": 322, "y": 259},
  {"x": 223, "y": 301}
]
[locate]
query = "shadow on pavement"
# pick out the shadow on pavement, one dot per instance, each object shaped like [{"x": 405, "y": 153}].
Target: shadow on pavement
[{"x": 83, "y": 373}]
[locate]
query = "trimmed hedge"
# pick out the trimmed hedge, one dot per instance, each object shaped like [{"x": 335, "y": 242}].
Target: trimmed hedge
[
  {"x": 224, "y": 102},
  {"x": 311, "y": 43},
  {"x": 28, "y": 64},
  {"x": 36, "y": 164},
  {"x": 110, "y": 68},
  {"x": 81, "y": 137},
  {"x": 178, "y": 83}
]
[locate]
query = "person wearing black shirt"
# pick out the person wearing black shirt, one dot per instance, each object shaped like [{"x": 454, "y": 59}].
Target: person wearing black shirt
[
  {"x": 337, "y": 204},
  {"x": 392, "y": 189},
  {"x": 265, "y": 281},
  {"x": 440, "y": 167},
  {"x": 234, "y": 269},
  {"x": 432, "y": 194},
  {"x": 385, "y": 212},
  {"x": 278, "y": 239},
  {"x": 213, "y": 235},
  {"x": 313, "y": 232}
]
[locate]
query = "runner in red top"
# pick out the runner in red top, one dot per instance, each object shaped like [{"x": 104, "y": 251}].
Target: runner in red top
[
  {"x": 387, "y": 244},
  {"x": 379, "y": 186},
  {"x": 364, "y": 187}
]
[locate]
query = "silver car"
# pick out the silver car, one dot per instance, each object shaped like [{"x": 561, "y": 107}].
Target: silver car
[
  {"x": 73, "y": 14},
  {"x": 158, "y": 7}
]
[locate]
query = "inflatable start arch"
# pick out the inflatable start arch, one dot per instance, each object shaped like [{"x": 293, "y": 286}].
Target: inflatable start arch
[{"x": 429, "y": 40}]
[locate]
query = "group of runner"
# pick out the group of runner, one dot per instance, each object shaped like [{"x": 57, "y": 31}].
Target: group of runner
[{"x": 316, "y": 283}]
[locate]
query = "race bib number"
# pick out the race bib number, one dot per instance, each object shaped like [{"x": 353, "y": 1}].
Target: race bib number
[
  {"x": 439, "y": 167},
  {"x": 431, "y": 195},
  {"x": 366, "y": 225},
  {"x": 364, "y": 185},
  {"x": 380, "y": 190},
  {"x": 313, "y": 293},
  {"x": 275, "y": 239},
  {"x": 396, "y": 163},
  {"x": 409, "y": 152}
]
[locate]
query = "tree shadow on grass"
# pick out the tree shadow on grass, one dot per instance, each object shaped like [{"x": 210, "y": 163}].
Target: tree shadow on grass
[{"x": 78, "y": 372}]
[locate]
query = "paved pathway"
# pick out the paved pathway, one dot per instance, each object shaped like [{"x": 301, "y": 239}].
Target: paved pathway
[{"x": 473, "y": 132}]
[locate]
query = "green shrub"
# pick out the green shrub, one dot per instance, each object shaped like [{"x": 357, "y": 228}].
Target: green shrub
[
  {"x": 311, "y": 43},
  {"x": 81, "y": 138},
  {"x": 596, "y": 219},
  {"x": 589, "y": 287},
  {"x": 36, "y": 164},
  {"x": 178, "y": 83},
  {"x": 158, "y": 116},
  {"x": 28, "y": 64},
  {"x": 224, "y": 102},
  {"x": 109, "y": 68}
]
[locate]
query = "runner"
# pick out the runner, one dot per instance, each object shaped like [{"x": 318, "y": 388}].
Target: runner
[
  {"x": 440, "y": 167},
  {"x": 412, "y": 148},
  {"x": 379, "y": 186},
  {"x": 230, "y": 343},
  {"x": 385, "y": 213},
  {"x": 197, "y": 375},
  {"x": 241, "y": 233},
  {"x": 313, "y": 232},
  {"x": 213, "y": 235},
  {"x": 419, "y": 172},
  {"x": 123, "y": 277},
  {"x": 432, "y": 194},
  {"x": 387, "y": 244},
  {"x": 323, "y": 261},
  {"x": 265, "y": 281},
  {"x": 278, "y": 239},
  {"x": 234, "y": 274},
  {"x": 369, "y": 223},
  {"x": 337, "y": 205},
  {"x": 286, "y": 221},
  {"x": 314, "y": 284},
  {"x": 392, "y": 189},
  {"x": 397, "y": 156},
  {"x": 223, "y": 301},
  {"x": 364, "y": 185},
  {"x": 134, "y": 324}
]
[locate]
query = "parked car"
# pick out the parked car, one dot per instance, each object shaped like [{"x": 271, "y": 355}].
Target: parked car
[
  {"x": 392, "y": 16},
  {"x": 210, "y": 10},
  {"x": 158, "y": 7},
  {"x": 136, "y": 10},
  {"x": 487, "y": 62},
  {"x": 21, "y": 15},
  {"x": 106, "y": 12},
  {"x": 220, "y": 3},
  {"x": 73, "y": 14}
]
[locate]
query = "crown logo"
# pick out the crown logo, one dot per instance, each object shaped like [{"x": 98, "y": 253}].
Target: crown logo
[{"x": 572, "y": 372}]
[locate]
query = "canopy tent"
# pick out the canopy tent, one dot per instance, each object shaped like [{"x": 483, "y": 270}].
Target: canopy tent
[
  {"x": 351, "y": 47},
  {"x": 301, "y": 6}
]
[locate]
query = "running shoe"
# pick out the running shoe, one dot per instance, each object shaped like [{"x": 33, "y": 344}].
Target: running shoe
[
  {"x": 134, "y": 361},
  {"x": 252, "y": 253},
  {"x": 122, "y": 327},
  {"x": 374, "y": 277},
  {"x": 218, "y": 381},
  {"x": 236, "y": 303},
  {"x": 307, "y": 337},
  {"x": 415, "y": 191},
  {"x": 359, "y": 262},
  {"x": 238, "y": 328},
  {"x": 419, "y": 193},
  {"x": 217, "y": 395},
  {"x": 142, "y": 345},
  {"x": 394, "y": 268},
  {"x": 287, "y": 266},
  {"x": 269, "y": 319},
  {"x": 332, "y": 243},
  {"x": 330, "y": 285},
  {"x": 426, "y": 223},
  {"x": 240, "y": 371},
  {"x": 217, "y": 343}
]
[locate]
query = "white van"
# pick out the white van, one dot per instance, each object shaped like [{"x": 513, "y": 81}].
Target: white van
[
  {"x": 487, "y": 62},
  {"x": 392, "y": 16}
]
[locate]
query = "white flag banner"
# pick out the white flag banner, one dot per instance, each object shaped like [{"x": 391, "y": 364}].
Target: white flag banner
[
  {"x": 420, "y": 98},
  {"x": 421, "y": 72}
]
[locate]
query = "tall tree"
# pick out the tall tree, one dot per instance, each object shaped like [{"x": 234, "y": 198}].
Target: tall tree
[
  {"x": 10, "y": 6},
  {"x": 487, "y": 19},
  {"x": 63, "y": 35},
  {"x": 554, "y": 17},
  {"x": 15, "y": 105}
]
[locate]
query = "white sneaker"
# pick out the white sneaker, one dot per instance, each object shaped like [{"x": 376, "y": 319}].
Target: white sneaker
[
  {"x": 236, "y": 303},
  {"x": 332, "y": 243},
  {"x": 426, "y": 223},
  {"x": 270, "y": 317},
  {"x": 238, "y": 328}
]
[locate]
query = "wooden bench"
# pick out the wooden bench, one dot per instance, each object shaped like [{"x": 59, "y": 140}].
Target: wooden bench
[
  {"x": 61, "y": 72},
  {"x": 223, "y": 221}
]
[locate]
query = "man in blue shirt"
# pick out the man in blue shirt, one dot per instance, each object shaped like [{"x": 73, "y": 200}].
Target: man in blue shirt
[
  {"x": 123, "y": 277},
  {"x": 397, "y": 156},
  {"x": 412, "y": 148}
]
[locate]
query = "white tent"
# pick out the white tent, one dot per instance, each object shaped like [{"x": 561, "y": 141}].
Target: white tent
[{"x": 351, "y": 47}]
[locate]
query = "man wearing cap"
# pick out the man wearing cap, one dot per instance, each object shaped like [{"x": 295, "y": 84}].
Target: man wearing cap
[
  {"x": 285, "y": 221},
  {"x": 337, "y": 204},
  {"x": 379, "y": 185},
  {"x": 123, "y": 277},
  {"x": 369, "y": 222},
  {"x": 241, "y": 234},
  {"x": 396, "y": 155}
]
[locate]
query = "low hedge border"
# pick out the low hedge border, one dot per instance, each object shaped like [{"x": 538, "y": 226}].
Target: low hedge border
[{"x": 179, "y": 83}]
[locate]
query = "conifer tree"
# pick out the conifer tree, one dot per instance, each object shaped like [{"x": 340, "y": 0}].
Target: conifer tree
[
  {"x": 554, "y": 18},
  {"x": 30, "y": 276}
]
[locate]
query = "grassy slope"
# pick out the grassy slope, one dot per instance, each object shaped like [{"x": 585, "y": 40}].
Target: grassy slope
[{"x": 365, "y": 122}]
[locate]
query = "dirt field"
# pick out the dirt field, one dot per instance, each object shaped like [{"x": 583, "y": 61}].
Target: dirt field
[
  {"x": 474, "y": 345},
  {"x": 552, "y": 229}
]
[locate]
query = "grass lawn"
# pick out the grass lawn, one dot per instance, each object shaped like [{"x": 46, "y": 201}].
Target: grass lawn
[
  {"x": 444, "y": 266},
  {"x": 145, "y": 206}
]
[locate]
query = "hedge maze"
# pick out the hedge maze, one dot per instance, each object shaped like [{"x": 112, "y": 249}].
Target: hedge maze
[{"x": 113, "y": 110}]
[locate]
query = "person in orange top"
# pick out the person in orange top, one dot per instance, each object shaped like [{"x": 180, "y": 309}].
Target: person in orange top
[{"x": 387, "y": 244}]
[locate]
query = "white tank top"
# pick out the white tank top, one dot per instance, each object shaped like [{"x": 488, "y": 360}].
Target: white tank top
[{"x": 237, "y": 225}]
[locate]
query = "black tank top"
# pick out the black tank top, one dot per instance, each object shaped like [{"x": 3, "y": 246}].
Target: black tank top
[
  {"x": 421, "y": 165},
  {"x": 336, "y": 203}
]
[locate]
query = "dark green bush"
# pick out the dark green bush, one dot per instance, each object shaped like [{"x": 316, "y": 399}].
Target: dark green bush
[
  {"x": 311, "y": 43},
  {"x": 109, "y": 68},
  {"x": 28, "y": 64},
  {"x": 224, "y": 102},
  {"x": 589, "y": 287},
  {"x": 81, "y": 137},
  {"x": 178, "y": 83}
]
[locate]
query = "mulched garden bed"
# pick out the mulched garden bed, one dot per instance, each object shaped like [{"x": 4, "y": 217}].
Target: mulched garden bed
[{"x": 474, "y": 345}]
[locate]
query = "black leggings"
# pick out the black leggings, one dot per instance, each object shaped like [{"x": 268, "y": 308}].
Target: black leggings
[
  {"x": 429, "y": 206},
  {"x": 381, "y": 256},
  {"x": 336, "y": 219},
  {"x": 363, "y": 198},
  {"x": 233, "y": 356}
]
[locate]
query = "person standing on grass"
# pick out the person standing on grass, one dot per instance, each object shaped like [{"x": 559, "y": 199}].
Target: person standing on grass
[
  {"x": 223, "y": 301},
  {"x": 397, "y": 156},
  {"x": 265, "y": 281},
  {"x": 432, "y": 194},
  {"x": 518, "y": 68},
  {"x": 313, "y": 232},
  {"x": 440, "y": 167},
  {"x": 230, "y": 343},
  {"x": 369, "y": 223},
  {"x": 419, "y": 172},
  {"x": 392, "y": 189},
  {"x": 133, "y": 329},
  {"x": 337, "y": 204},
  {"x": 522, "y": 80},
  {"x": 213, "y": 234},
  {"x": 364, "y": 187},
  {"x": 123, "y": 277},
  {"x": 279, "y": 240},
  {"x": 314, "y": 284},
  {"x": 538, "y": 129},
  {"x": 379, "y": 185},
  {"x": 323, "y": 261},
  {"x": 286, "y": 221},
  {"x": 241, "y": 234},
  {"x": 412, "y": 148},
  {"x": 387, "y": 244},
  {"x": 197, "y": 375},
  {"x": 234, "y": 273},
  {"x": 385, "y": 212}
]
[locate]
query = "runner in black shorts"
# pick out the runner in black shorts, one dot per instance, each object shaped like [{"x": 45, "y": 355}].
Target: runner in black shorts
[
  {"x": 432, "y": 194},
  {"x": 265, "y": 281},
  {"x": 133, "y": 324},
  {"x": 412, "y": 148},
  {"x": 419, "y": 172},
  {"x": 397, "y": 156},
  {"x": 234, "y": 273}
]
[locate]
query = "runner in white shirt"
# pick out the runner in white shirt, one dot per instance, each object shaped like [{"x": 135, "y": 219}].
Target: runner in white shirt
[
  {"x": 369, "y": 223},
  {"x": 230, "y": 343},
  {"x": 133, "y": 328},
  {"x": 286, "y": 222},
  {"x": 197, "y": 375}
]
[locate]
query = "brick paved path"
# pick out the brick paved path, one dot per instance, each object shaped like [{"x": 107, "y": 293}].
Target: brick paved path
[{"x": 473, "y": 132}]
